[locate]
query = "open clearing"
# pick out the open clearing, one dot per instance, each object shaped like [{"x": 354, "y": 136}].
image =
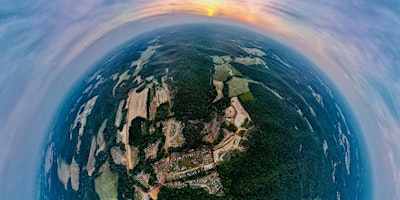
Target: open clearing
[
  {"x": 241, "y": 113},
  {"x": 254, "y": 51},
  {"x": 232, "y": 71},
  {"x": 223, "y": 69},
  {"x": 123, "y": 77},
  {"x": 238, "y": 86},
  {"x": 74, "y": 170},
  {"x": 161, "y": 95},
  {"x": 221, "y": 73},
  {"x": 227, "y": 58},
  {"x": 118, "y": 116},
  {"x": 118, "y": 155},
  {"x": 250, "y": 61},
  {"x": 247, "y": 96},
  {"x": 100, "y": 137},
  {"x": 144, "y": 58},
  {"x": 121, "y": 157},
  {"x": 165, "y": 87},
  {"x": 66, "y": 172},
  {"x": 151, "y": 150},
  {"x": 81, "y": 117},
  {"x": 281, "y": 61},
  {"x": 212, "y": 129},
  {"x": 49, "y": 158},
  {"x": 91, "y": 160},
  {"x": 106, "y": 184},
  {"x": 230, "y": 143},
  {"x": 63, "y": 172},
  {"x": 218, "y": 87},
  {"x": 217, "y": 60},
  {"x": 136, "y": 104}
]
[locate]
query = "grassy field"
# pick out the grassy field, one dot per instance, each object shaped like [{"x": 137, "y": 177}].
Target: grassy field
[
  {"x": 247, "y": 96},
  {"x": 238, "y": 86},
  {"x": 221, "y": 73},
  {"x": 106, "y": 183}
]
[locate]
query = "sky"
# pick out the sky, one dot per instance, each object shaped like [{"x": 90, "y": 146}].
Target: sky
[{"x": 46, "y": 46}]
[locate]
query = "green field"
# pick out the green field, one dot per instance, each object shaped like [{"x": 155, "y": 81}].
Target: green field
[
  {"x": 238, "y": 86},
  {"x": 106, "y": 183},
  {"x": 221, "y": 73}
]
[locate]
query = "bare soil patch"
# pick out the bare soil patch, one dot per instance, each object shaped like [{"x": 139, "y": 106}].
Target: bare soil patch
[
  {"x": 91, "y": 160},
  {"x": 151, "y": 150},
  {"x": 100, "y": 137},
  {"x": 218, "y": 87},
  {"x": 118, "y": 116},
  {"x": 250, "y": 61}
]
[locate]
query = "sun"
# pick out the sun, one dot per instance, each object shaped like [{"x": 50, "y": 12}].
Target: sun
[
  {"x": 211, "y": 7},
  {"x": 211, "y": 11}
]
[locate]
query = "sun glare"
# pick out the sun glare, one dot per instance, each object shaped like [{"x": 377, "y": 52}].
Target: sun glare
[
  {"x": 210, "y": 12},
  {"x": 211, "y": 7}
]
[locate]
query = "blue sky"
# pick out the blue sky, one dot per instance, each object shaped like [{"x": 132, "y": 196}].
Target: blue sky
[{"x": 47, "y": 45}]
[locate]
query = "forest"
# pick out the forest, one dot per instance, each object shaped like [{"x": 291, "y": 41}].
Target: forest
[{"x": 283, "y": 159}]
